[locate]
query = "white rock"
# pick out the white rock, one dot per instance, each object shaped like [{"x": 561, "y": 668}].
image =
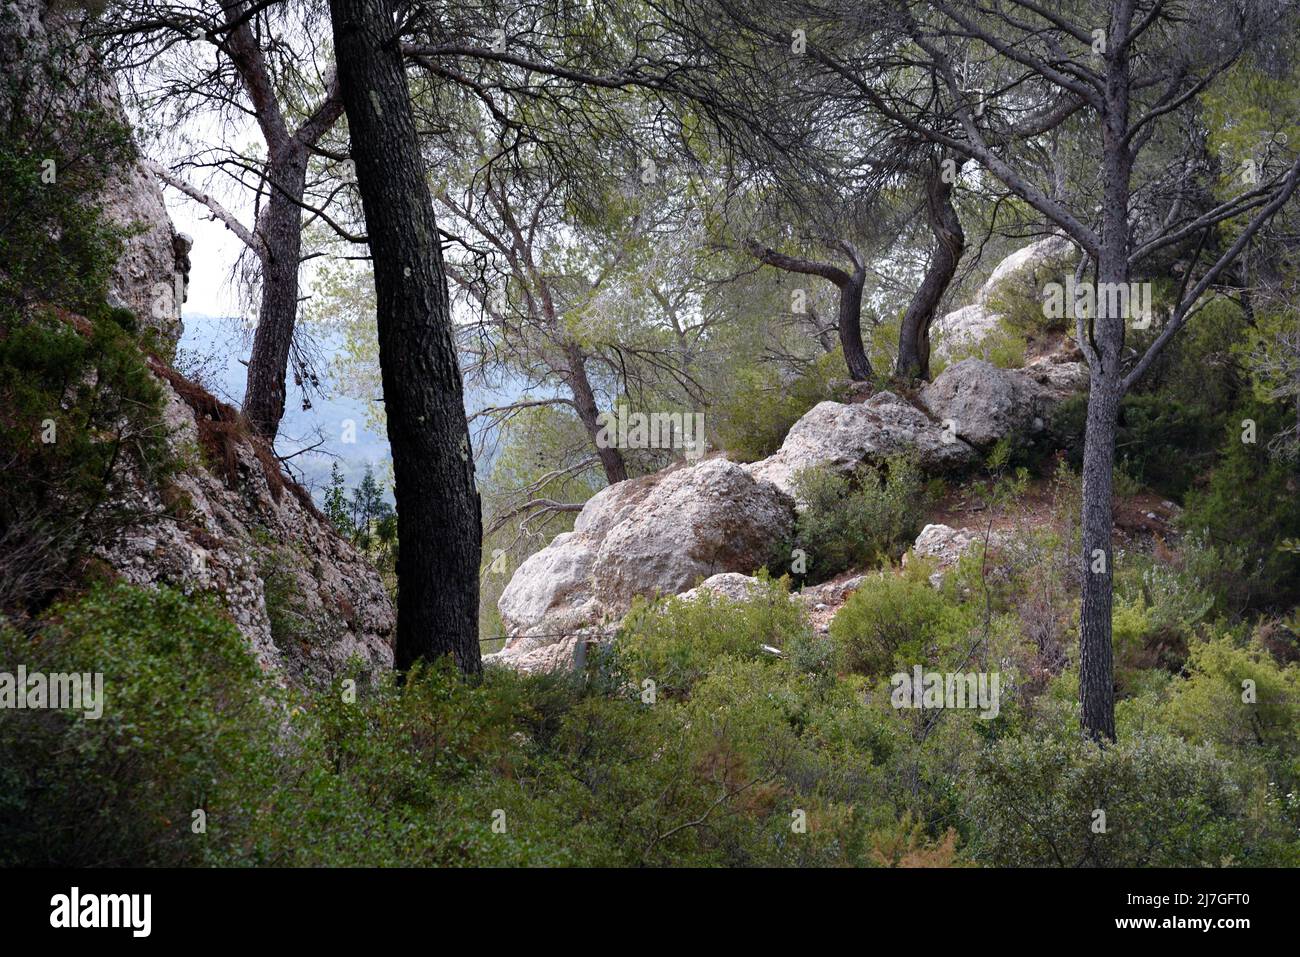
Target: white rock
[
  {"x": 1031, "y": 264},
  {"x": 962, "y": 330},
  {"x": 731, "y": 585},
  {"x": 984, "y": 403},
  {"x": 696, "y": 522},
  {"x": 843, "y": 436},
  {"x": 651, "y": 536}
]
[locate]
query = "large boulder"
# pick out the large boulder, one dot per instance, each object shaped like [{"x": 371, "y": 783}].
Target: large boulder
[
  {"x": 982, "y": 404},
  {"x": 714, "y": 517},
  {"x": 733, "y": 586},
  {"x": 656, "y": 535},
  {"x": 843, "y": 436},
  {"x": 552, "y": 585},
  {"x": 1026, "y": 268}
]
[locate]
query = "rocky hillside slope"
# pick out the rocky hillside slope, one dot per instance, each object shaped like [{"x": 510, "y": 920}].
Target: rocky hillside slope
[
  {"x": 229, "y": 522},
  {"x": 717, "y": 521}
]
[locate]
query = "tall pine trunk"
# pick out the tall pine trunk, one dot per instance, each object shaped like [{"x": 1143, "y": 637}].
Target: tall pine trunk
[
  {"x": 281, "y": 232},
  {"x": 1096, "y": 665},
  {"x": 439, "y": 524},
  {"x": 1096, "y": 658}
]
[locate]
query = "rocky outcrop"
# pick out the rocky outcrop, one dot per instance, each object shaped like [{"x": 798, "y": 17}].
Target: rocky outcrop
[
  {"x": 983, "y": 404},
  {"x": 652, "y": 536},
  {"x": 229, "y": 524},
  {"x": 697, "y": 521},
  {"x": 844, "y": 436},
  {"x": 715, "y": 522},
  {"x": 1022, "y": 273},
  {"x": 37, "y": 42}
]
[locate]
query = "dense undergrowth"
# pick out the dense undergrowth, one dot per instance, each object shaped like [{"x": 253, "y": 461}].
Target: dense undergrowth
[{"x": 687, "y": 742}]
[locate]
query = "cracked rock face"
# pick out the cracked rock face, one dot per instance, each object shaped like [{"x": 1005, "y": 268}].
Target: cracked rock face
[
  {"x": 305, "y": 599},
  {"x": 983, "y": 404},
  {"x": 150, "y": 276}
]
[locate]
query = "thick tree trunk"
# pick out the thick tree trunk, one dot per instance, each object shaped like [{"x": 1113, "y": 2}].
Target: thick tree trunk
[
  {"x": 280, "y": 230},
  {"x": 850, "y": 323},
  {"x": 950, "y": 243},
  {"x": 1096, "y": 667},
  {"x": 584, "y": 400},
  {"x": 439, "y": 524}
]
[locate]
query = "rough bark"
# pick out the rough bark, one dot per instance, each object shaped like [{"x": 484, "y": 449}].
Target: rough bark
[
  {"x": 439, "y": 523},
  {"x": 280, "y": 230},
  {"x": 950, "y": 242},
  {"x": 1096, "y": 666},
  {"x": 1096, "y": 669},
  {"x": 584, "y": 400}
]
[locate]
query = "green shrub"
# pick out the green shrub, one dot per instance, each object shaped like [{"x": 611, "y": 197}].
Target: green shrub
[
  {"x": 856, "y": 521},
  {"x": 675, "y": 643},
  {"x": 895, "y": 621},
  {"x": 1250, "y": 506},
  {"x": 1239, "y": 699},
  {"x": 759, "y": 407},
  {"x": 1034, "y": 801},
  {"x": 79, "y": 403},
  {"x": 1161, "y": 442},
  {"x": 184, "y": 715}
]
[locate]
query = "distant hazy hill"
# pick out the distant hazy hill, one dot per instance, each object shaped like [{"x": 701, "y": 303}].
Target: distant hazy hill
[{"x": 213, "y": 346}]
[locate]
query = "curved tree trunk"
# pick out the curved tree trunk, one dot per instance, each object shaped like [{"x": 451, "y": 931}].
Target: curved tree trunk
[
  {"x": 584, "y": 400},
  {"x": 950, "y": 243},
  {"x": 439, "y": 522},
  {"x": 280, "y": 229},
  {"x": 849, "y": 319},
  {"x": 850, "y": 327}
]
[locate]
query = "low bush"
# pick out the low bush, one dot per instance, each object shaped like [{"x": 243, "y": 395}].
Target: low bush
[
  {"x": 857, "y": 520},
  {"x": 895, "y": 621}
]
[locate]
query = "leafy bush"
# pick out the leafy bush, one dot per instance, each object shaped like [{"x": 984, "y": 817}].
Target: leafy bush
[
  {"x": 1034, "y": 801},
  {"x": 1161, "y": 441},
  {"x": 1259, "y": 523},
  {"x": 855, "y": 521},
  {"x": 675, "y": 642},
  {"x": 1240, "y": 700},
  {"x": 895, "y": 621},
  {"x": 183, "y": 716}
]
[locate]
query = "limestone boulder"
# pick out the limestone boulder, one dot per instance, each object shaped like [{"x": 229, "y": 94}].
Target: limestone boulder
[{"x": 841, "y": 437}]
